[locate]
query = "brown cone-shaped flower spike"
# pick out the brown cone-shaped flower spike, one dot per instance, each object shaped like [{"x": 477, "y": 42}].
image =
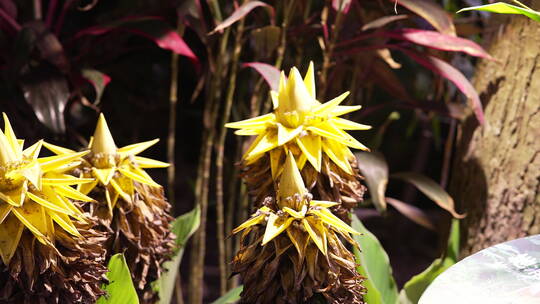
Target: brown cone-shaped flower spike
[
  {"x": 316, "y": 136},
  {"x": 130, "y": 206},
  {"x": 291, "y": 250},
  {"x": 48, "y": 253}
]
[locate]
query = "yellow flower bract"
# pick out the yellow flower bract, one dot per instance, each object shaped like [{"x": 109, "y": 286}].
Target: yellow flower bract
[
  {"x": 303, "y": 125},
  {"x": 114, "y": 168},
  {"x": 296, "y": 206},
  {"x": 35, "y": 193}
]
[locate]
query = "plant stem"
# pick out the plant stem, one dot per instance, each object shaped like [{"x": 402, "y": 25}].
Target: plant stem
[
  {"x": 329, "y": 50},
  {"x": 37, "y": 10},
  {"x": 50, "y": 12},
  {"x": 220, "y": 157},
  {"x": 14, "y": 24}
]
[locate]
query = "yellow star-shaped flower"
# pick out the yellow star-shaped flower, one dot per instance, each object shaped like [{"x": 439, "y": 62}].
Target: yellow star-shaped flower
[
  {"x": 302, "y": 125},
  {"x": 35, "y": 193},
  {"x": 294, "y": 204},
  {"x": 114, "y": 168}
]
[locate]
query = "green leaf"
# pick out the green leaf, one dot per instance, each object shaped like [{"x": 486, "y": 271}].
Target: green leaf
[
  {"x": 232, "y": 296},
  {"x": 415, "y": 287},
  {"x": 373, "y": 166},
  {"x": 183, "y": 227},
  {"x": 505, "y": 8},
  {"x": 375, "y": 266},
  {"x": 120, "y": 289}
]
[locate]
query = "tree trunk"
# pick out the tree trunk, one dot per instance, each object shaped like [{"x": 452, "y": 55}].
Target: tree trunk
[{"x": 496, "y": 174}]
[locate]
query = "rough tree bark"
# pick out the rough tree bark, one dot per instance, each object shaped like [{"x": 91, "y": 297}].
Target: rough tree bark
[{"x": 496, "y": 173}]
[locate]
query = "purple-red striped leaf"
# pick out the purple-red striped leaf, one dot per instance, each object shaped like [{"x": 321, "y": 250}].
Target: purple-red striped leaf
[
  {"x": 269, "y": 72},
  {"x": 241, "y": 12},
  {"x": 444, "y": 69},
  {"x": 439, "y": 41},
  {"x": 432, "y": 12}
]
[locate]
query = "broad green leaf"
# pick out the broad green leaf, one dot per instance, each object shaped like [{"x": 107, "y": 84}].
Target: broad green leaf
[
  {"x": 183, "y": 227},
  {"x": 373, "y": 166},
  {"x": 431, "y": 189},
  {"x": 120, "y": 289},
  {"x": 375, "y": 266},
  {"x": 505, "y": 8},
  {"x": 232, "y": 296},
  {"x": 415, "y": 287}
]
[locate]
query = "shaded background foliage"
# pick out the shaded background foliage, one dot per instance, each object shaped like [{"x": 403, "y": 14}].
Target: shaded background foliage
[{"x": 63, "y": 62}]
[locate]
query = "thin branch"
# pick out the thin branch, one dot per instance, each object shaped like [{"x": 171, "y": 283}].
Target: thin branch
[
  {"x": 14, "y": 24},
  {"x": 50, "y": 12}
]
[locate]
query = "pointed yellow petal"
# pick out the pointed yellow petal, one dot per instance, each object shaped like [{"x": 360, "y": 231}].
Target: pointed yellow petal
[
  {"x": 120, "y": 191},
  {"x": 65, "y": 222},
  {"x": 345, "y": 124},
  {"x": 68, "y": 180},
  {"x": 297, "y": 97},
  {"x": 275, "y": 162},
  {"x": 259, "y": 121},
  {"x": 104, "y": 175},
  {"x": 282, "y": 85},
  {"x": 327, "y": 107},
  {"x": 311, "y": 147},
  {"x": 86, "y": 188},
  {"x": 10, "y": 235},
  {"x": 353, "y": 143},
  {"x": 144, "y": 162},
  {"x": 251, "y": 222},
  {"x": 135, "y": 149},
  {"x": 296, "y": 214},
  {"x": 53, "y": 162},
  {"x": 286, "y": 134},
  {"x": 317, "y": 236},
  {"x": 341, "y": 110},
  {"x": 301, "y": 162},
  {"x": 138, "y": 177},
  {"x": 103, "y": 140},
  {"x": 16, "y": 196},
  {"x": 32, "y": 152},
  {"x": 11, "y": 138},
  {"x": 324, "y": 204},
  {"x": 57, "y": 149},
  {"x": 334, "y": 150},
  {"x": 275, "y": 99},
  {"x": 68, "y": 191},
  {"x": 250, "y": 132},
  {"x": 264, "y": 143},
  {"x": 76, "y": 212},
  {"x": 291, "y": 181},
  {"x": 49, "y": 205},
  {"x": 108, "y": 200},
  {"x": 7, "y": 154},
  {"x": 275, "y": 227},
  {"x": 326, "y": 216},
  {"x": 309, "y": 79},
  {"x": 33, "y": 173},
  {"x": 33, "y": 216},
  {"x": 322, "y": 131},
  {"x": 5, "y": 209}
]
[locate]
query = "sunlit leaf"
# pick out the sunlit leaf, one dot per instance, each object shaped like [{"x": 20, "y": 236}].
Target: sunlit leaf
[
  {"x": 232, "y": 296},
  {"x": 373, "y": 167},
  {"x": 241, "y": 12},
  {"x": 431, "y": 189},
  {"x": 380, "y": 22},
  {"x": 120, "y": 289},
  {"x": 415, "y": 287},
  {"x": 444, "y": 69},
  {"x": 183, "y": 227},
  {"x": 504, "y": 8},
  {"x": 375, "y": 266},
  {"x": 98, "y": 80},
  {"x": 342, "y": 5},
  {"x": 432, "y": 12}
]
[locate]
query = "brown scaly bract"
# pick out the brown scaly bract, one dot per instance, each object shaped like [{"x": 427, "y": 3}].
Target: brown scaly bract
[
  {"x": 291, "y": 250},
  {"x": 39, "y": 274}
]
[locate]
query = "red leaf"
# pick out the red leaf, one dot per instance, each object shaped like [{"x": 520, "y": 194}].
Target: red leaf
[
  {"x": 270, "y": 73},
  {"x": 9, "y": 7},
  {"x": 447, "y": 71},
  {"x": 380, "y": 22},
  {"x": 240, "y": 12},
  {"x": 342, "y": 5},
  {"x": 153, "y": 28},
  {"x": 436, "y": 40},
  {"x": 98, "y": 80},
  {"x": 433, "y": 14}
]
